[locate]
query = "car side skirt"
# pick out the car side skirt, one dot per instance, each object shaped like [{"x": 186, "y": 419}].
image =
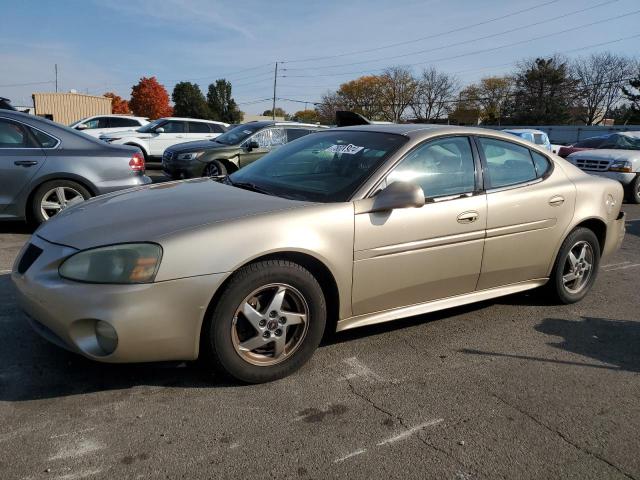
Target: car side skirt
[{"x": 433, "y": 306}]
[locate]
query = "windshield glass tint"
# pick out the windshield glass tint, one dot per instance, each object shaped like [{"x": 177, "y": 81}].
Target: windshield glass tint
[
  {"x": 238, "y": 134},
  {"x": 150, "y": 126},
  {"x": 323, "y": 167}
]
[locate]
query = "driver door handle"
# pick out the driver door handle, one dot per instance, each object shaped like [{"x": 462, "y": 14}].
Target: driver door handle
[
  {"x": 25, "y": 163},
  {"x": 468, "y": 217}
]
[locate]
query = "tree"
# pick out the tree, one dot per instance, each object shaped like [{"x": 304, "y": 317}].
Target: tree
[
  {"x": 398, "y": 89},
  {"x": 601, "y": 78},
  {"x": 307, "y": 116},
  {"x": 150, "y": 99},
  {"x": 363, "y": 95},
  {"x": 221, "y": 104},
  {"x": 189, "y": 101},
  {"x": 329, "y": 104},
  {"x": 493, "y": 95},
  {"x": 435, "y": 92},
  {"x": 632, "y": 94},
  {"x": 468, "y": 109},
  {"x": 118, "y": 104},
  {"x": 544, "y": 92},
  {"x": 279, "y": 113}
]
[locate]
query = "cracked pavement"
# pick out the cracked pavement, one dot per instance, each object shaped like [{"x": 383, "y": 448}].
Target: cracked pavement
[{"x": 512, "y": 388}]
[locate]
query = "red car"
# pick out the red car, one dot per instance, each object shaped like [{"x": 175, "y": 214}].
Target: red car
[{"x": 587, "y": 144}]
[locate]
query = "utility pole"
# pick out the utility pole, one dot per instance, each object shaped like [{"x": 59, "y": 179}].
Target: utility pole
[
  {"x": 56, "y": 69},
  {"x": 275, "y": 83}
]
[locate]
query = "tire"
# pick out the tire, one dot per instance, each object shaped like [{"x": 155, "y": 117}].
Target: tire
[
  {"x": 49, "y": 194},
  {"x": 214, "y": 168},
  {"x": 565, "y": 285},
  {"x": 227, "y": 328},
  {"x": 633, "y": 190}
]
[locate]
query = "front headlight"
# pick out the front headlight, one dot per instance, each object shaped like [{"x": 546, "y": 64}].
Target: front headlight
[
  {"x": 124, "y": 263},
  {"x": 189, "y": 155},
  {"x": 620, "y": 166}
]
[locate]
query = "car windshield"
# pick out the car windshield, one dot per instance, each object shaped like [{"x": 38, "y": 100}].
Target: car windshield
[
  {"x": 324, "y": 167},
  {"x": 78, "y": 122},
  {"x": 237, "y": 135},
  {"x": 622, "y": 142},
  {"x": 150, "y": 126}
]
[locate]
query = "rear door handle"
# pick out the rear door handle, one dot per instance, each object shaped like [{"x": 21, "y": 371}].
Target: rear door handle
[
  {"x": 25, "y": 163},
  {"x": 556, "y": 201},
  {"x": 468, "y": 217}
]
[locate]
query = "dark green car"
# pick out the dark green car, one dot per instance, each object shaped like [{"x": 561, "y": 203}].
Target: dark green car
[{"x": 231, "y": 150}]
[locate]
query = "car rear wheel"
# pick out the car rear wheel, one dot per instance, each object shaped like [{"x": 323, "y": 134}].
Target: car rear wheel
[
  {"x": 214, "y": 168},
  {"x": 267, "y": 323},
  {"x": 576, "y": 266},
  {"x": 633, "y": 191},
  {"x": 53, "y": 197}
]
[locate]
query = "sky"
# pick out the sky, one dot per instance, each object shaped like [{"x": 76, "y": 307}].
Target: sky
[{"x": 108, "y": 45}]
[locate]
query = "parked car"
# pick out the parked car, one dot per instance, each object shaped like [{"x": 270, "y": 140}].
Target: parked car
[
  {"x": 617, "y": 158},
  {"x": 155, "y": 137},
  {"x": 346, "y": 227},
  {"x": 611, "y": 141},
  {"x": 534, "y": 136},
  {"x": 5, "y": 104},
  {"x": 100, "y": 124},
  {"x": 232, "y": 150},
  {"x": 46, "y": 167}
]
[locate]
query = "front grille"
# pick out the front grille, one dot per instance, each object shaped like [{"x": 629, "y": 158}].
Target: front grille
[
  {"x": 29, "y": 256},
  {"x": 592, "y": 165},
  {"x": 167, "y": 156}
]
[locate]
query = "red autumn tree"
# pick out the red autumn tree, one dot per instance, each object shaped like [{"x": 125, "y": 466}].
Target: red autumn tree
[
  {"x": 118, "y": 104},
  {"x": 150, "y": 99}
]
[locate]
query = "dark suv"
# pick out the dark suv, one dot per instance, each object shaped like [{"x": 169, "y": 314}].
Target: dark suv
[{"x": 231, "y": 150}]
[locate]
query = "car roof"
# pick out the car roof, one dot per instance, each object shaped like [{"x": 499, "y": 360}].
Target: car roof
[
  {"x": 269, "y": 123},
  {"x": 186, "y": 119},
  {"x": 630, "y": 134}
]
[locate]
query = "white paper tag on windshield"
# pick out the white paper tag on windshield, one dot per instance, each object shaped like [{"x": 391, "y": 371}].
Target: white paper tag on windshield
[{"x": 348, "y": 149}]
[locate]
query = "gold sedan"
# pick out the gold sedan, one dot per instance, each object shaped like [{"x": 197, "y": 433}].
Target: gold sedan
[{"x": 342, "y": 228}]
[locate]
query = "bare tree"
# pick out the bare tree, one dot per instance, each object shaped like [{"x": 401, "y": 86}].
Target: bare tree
[
  {"x": 397, "y": 90},
  {"x": 326, "y": 109},
  {"x": 601, "y": 78},
  {"x": 435, "y": 92}
]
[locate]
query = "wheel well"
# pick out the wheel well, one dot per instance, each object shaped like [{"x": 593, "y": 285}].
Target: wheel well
[
  {"x": 598, "y": 227},
  {"x": 318, "y": 269},
  {"x": 27, "y": 208},
  {"x": 229, "y": 165}
]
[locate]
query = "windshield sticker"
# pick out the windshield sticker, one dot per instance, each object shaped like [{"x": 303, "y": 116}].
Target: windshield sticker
[
  {"x": 248, "y": 132},
  {"x": 348, "y": 149}
]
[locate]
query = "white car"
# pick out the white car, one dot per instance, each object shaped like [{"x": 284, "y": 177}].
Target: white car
[
  {"x": 618, "y": 158},
  {"x": 154, "y": 138},
  {"x": 100, "y": 124},
  {"x": 537, "y": 137}
]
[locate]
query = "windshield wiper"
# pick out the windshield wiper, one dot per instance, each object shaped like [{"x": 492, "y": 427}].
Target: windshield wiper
[{"x": 248, "y": 186}]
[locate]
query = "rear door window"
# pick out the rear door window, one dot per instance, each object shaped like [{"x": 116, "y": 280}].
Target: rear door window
[
  {"x": 199, "y": 127},
  {"x": 507, "y": 163},
  {"x": 174, "y": 127},
  {"x": 15, "y": 135}
]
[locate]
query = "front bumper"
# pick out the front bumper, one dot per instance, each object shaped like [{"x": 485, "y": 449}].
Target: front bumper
[
  {"x": 154, "y": 322},
  {"x": 178, "y": 169},
  {"x": 624, "y": 178}
]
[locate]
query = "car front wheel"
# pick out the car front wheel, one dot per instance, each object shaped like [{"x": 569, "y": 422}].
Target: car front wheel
[
  {"x": 633, "y": 191},
  {"x": 214, "y": 168},
  {"x": 267, "y": 323},
  {"x": 576, "y": 266}
]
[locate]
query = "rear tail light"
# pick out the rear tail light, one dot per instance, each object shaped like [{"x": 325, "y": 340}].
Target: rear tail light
[{"x": 137, "y": 162}]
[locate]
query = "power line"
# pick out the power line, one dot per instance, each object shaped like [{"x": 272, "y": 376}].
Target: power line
[
  {"x": 492, "y": 49},
  {"x": 464, "y": 42},
  {"x": 27, "y": 84},
  {"x": 459, "y": 29}
]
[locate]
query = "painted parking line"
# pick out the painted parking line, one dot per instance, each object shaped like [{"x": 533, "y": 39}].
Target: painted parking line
[
  {"x": 615, "y": 264},
  {"x": 623, "y": 267}
]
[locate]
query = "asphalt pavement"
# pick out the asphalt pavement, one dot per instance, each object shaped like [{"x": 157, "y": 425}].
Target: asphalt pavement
[{"x": 515, "y": 388}]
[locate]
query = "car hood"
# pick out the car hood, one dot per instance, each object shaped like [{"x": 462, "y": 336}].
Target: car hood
[
  {"x": 126, "y": 133},
  {"x": 605, "y": 154},
  {"x": 201, "y": 145},
  {"x": 153, "y": 211}
]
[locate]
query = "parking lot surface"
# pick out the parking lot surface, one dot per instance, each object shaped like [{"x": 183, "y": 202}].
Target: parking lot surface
[{"x": 512, "y": 388}]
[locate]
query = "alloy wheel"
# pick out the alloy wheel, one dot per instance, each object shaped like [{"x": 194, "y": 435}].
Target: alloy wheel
[
  {"x": 578, "y": 267},
  {"x": 211, "y": 170},
  {"x": 58, "y": 199},
  {"x": 270, "y": 324}
]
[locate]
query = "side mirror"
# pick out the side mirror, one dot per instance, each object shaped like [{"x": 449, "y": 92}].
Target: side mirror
[
  {"x": 251, "y": 145},
  {"x": 159, "y": 130},
  {"x": 396, "y": 195},
  {"x": 82, "y": 126}
]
